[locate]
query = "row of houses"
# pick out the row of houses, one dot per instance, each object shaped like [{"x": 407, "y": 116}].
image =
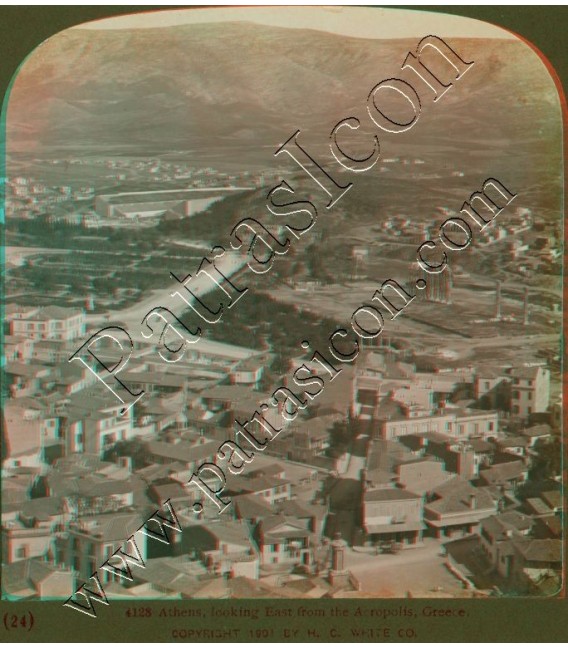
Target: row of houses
[{"x": 392, "y": 392}]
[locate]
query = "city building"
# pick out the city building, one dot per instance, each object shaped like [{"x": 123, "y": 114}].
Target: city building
[
  {"x": 145, "y": 204},
  {"x": 90, "y": 541},
  {"x": 457, "y": 507},
  {"x": 455, "y": 423},
  {"x": 393, "y": 515},
  {"x": 284, "y": 540},
  {"x": 530, "y": 391},
  {"x": 47, "y": 323}
]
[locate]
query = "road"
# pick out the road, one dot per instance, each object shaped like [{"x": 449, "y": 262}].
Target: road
[
  {"x": 230, "y": 265},
  {"x": 419, "y": 571}
]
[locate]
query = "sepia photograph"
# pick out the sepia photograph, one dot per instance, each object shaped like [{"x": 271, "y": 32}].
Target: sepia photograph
[{"x": 282, "y": 317}]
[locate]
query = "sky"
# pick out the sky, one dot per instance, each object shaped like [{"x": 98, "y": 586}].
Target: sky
[{"x": 364, "y": 22}]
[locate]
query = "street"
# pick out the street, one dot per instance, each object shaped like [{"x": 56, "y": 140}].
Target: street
[{"x": 419, "y": 571}]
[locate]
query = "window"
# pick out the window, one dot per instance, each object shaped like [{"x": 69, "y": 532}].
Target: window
[
  {"x": 22, "y": 552},
  {"x": 491, "y": 425},
  {"x": 529, "y": 409},
  {"x": 530, "y": 395},
  {"x": 515, "y": 394},
  {"x": 486, "y": 385}
]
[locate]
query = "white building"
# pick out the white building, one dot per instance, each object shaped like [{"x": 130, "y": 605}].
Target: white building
[
  {"x": 47, "y": 323},
  {"x": 530, "y": 391}
]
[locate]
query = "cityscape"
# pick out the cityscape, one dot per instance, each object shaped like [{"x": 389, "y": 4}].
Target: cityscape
[{"x": 429, "y": 466}]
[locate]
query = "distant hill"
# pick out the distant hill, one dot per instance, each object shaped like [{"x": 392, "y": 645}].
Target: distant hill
[{"x": 243, "y": 86}]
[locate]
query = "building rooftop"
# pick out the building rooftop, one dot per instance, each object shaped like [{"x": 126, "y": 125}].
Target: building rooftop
[
  {"x": 502, "y": 473},
  {"x": 540, "y": 550},
  {"x": 24, "y": 578},
  {"x": 383, "y": 495},
  {"x": 183, "y": 451},
  {"x": 110, "y": 527},
  {"x": 525, "y": 372}
]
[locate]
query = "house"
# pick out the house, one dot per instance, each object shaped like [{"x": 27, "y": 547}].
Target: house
[
  {"x": 71, "y": 378},
  {"x": 248, "y": 371},
  {"x": 466, "y": 559},
  {"x": 29, "y": 427},
  {"x": 24, "y": 379},
  {"x": 93, "y": 539},
  {"x": 225, "y": 547},
  {"x": 312, "y": 516},
  {"x": 191, "y": 455},
  {"x": 505, "y": 474},
  {"x": 96, "y": 494},
  {"x": 530, "y": 391},
  {"x": 93, "y": 421},
  {"x": 496, "y": 533},
  {"x": 169, "y": 577},
  {"x": 310, "y": 438},
  {"x": 250, "y": 508},
  {"x": 515, "y": 445},
  {"x": 22, "y": 542},
  {"x": 284, "y": 540},
  {"x": 457, "y": 506},
  {"x": 393, "y": 515},
  {"x": 459, "y": 457},
  {"x": 455, "y": 423},
  {"x": 48, "y": 323},
  {"x": 421, "y": 475},
  {"x": 169, "y": 490},
  {"x": 32, "y": 579},
  {"x": 230, "y": 398},
  {"x": 537, "y": 434},
  {"x": 51, "y": 352},
  {"x": 491, "y": 388},
  {"x": 49, "y": 512},
  {"x": 270, "y": 488},
  {"x": 483, "y": 452},
  {"x": 18, "y": 348},
  {"x": 100, "y": 430},
  {"x": 536, "y": 565}
]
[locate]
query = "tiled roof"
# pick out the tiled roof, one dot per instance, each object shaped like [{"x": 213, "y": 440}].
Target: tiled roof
[
  {"x": 112, "y": 527},
  {"x": 43, "y": 508},
  {"x": 183, "y": 452},
  {"x": 525, "y": 372},
  {"x": 22, "y": 578},
  {"x": 541, "y": 550},
  {"x": 500, "y": 473},
  {"x": 458, "y": 496},
  {"x": 383, "y": 495}
]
